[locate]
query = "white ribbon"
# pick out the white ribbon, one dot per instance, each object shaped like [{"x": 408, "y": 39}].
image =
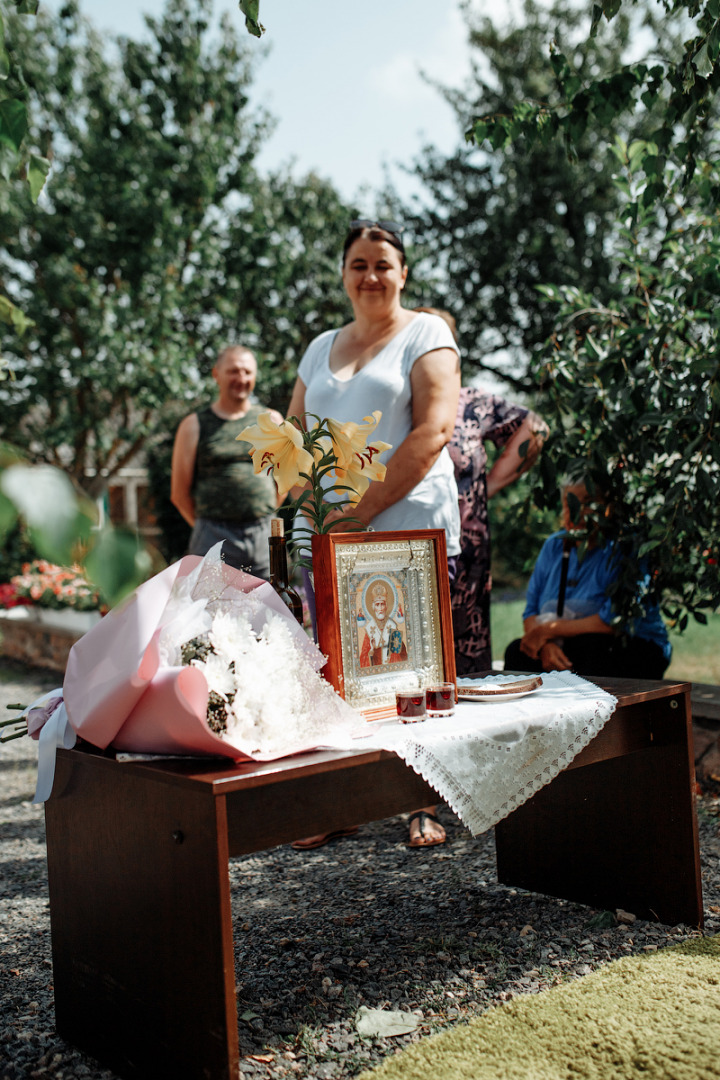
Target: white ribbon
[{"x": 55, "y": 732}]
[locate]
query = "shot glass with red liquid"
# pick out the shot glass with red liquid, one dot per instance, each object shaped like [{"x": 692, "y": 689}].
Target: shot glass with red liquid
[
  {"x": 410, "y": 705},
  {"x": 440, "y": 699}
]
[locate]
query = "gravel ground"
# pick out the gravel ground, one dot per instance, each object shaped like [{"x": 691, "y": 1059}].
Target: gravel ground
[{"x": 431, "y": 933}]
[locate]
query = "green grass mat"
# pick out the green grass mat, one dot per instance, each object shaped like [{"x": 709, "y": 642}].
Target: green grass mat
[{"x": 653, "y": 1017}]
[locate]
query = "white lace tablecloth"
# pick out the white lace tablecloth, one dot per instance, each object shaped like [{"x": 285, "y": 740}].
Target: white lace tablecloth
[{"x": 490, "y": 757}]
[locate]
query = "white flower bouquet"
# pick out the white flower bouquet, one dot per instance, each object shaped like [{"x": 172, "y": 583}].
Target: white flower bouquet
[{"x": 202, "y": 659}]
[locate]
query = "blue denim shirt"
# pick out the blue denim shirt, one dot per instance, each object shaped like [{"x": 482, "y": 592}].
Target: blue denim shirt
[{"x": 585, "y": 593}]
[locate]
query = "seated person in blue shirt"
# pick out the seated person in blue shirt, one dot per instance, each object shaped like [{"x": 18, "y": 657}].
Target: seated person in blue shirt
[{"x": 581, "y": 638}]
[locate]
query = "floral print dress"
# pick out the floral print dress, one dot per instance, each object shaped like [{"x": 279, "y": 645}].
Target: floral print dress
[{"x": 481, "y": 416}]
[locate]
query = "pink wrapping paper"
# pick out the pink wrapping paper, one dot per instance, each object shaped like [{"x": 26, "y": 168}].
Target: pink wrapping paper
[
  {"x": 117, "y": 693},
  {"x": 170, "y": 718},
  {"x": 111, "y": 667}
]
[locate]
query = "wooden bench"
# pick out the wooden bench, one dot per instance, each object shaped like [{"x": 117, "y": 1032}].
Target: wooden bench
[
  {"x": 705, "y": 703},
  {"x": 138, "y": 866}
]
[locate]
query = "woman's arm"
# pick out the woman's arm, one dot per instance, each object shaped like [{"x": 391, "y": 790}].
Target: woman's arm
[
  {"x": 435, "y": 382},
  {"x": 511, "y": 464}
]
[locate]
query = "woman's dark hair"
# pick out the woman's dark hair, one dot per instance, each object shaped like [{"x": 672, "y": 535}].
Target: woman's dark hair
[{"x": 373, "y": 232}]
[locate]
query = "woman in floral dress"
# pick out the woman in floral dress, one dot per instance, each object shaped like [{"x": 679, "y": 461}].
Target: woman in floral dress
[{"x": 483, "y": 417}]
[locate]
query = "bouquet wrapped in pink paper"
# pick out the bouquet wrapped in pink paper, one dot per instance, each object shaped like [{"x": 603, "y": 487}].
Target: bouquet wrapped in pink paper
[{"x": 202, "y": 659}]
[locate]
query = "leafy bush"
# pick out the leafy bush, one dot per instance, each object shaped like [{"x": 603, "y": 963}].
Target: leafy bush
[
  {"x": 633, "y": 388},
  {"x": 518, "y": 529},
  {"x": 17, "y": 549}
]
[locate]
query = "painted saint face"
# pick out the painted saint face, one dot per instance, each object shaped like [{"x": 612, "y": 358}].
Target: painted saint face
[{"x": 380, "y": 608}]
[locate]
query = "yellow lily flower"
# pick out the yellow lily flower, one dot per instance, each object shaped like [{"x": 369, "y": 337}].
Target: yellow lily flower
[
  {"x": 362, "y": 469},
  {"x": 278, "y": 448},
  {"x": 350, "y": 438}
]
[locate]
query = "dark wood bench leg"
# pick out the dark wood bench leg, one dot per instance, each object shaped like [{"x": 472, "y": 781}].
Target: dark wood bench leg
[
  {"x": 141, "y": 924},
  {"x": 619, "y": 833}
]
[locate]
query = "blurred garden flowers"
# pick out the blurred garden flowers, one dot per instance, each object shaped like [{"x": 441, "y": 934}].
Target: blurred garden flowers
[{"x": 49, "y": 586}]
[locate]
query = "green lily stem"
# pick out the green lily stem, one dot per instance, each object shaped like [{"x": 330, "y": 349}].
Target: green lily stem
[
  {"x": 14, "y": 735},
  {"x": 13, "y": 719}
]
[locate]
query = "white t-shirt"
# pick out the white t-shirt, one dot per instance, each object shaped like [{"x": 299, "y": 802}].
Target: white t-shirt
[{"x": 384, "y": 383}]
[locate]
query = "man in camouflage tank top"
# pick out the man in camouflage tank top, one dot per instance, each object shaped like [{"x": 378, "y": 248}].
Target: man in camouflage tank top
[{"x": 213, "y": 484}]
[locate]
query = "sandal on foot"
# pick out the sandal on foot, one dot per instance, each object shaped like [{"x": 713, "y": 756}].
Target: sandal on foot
[
  {"x": 311, "y": 842},
  {"x": 423, "y": 816}
]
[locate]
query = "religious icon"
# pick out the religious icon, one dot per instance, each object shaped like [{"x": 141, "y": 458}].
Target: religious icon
[
  {"x": 381, "y": 621},
  {"x": 384, "y": 621}
]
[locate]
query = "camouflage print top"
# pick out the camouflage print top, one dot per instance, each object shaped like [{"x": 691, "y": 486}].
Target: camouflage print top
[{"x": 225, "y": 487}]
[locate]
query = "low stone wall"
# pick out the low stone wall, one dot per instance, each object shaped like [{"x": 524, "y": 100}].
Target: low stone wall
[{"x": 35, "y": 643}]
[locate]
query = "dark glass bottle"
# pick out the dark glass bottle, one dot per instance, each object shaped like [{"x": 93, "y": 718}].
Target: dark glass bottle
[{"x": 279, "y": 570}]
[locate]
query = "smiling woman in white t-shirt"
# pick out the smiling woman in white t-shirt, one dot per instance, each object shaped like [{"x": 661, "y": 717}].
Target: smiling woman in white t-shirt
[
  {"x": 406, "y": 364},
  {"x": 402, "y": 362}
]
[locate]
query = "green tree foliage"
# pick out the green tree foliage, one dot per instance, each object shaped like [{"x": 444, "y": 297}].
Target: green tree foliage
[
  {"x": 157, "y": 242},
  {"x": 497, "y": 222},
  {"x": 13, "y": 109},
  {"x": 40, "y": 512},
  {"x": 635, "y": 389},
  {"x": 13, "y": 158},
  {"x": 632, "y": 375},
  {"x": 144, "y": 151},
  {"x": 682, "y": 82}
]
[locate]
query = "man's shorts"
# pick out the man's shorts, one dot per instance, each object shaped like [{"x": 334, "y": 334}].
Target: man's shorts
[{"x": 249, "y": 540}]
